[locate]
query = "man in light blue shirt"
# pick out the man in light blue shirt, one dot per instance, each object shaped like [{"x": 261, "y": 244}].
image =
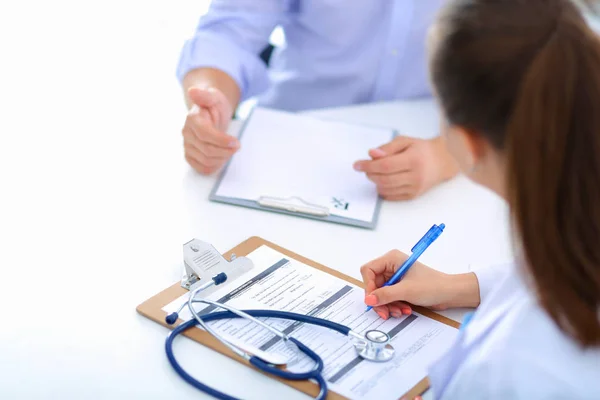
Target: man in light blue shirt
[{"x": 336, "y": 53}]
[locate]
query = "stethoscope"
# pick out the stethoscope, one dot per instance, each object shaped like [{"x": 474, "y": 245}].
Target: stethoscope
[{"x": 374, "y": 345}]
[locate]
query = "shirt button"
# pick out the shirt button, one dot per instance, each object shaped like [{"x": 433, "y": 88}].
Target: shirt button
[{"x": 394, "y": 52}]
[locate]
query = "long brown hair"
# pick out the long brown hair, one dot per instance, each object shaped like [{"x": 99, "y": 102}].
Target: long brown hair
[{"x": 525, "y": 74}]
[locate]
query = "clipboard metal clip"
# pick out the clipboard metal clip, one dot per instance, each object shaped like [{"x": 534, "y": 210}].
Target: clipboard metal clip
[
  {"x": 294, "y": 204},
  {"x": 202, "y": 261}
]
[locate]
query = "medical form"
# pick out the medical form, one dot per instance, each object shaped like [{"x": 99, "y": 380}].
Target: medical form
[{"x": 278, "y": 282}]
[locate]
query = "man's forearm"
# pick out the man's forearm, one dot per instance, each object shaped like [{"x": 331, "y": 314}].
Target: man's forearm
[{"x": 212, "y": 77}]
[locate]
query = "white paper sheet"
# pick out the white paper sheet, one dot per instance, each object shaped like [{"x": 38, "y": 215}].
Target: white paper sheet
[
  {"x": 285, "y": 155},
  {"x": 277, "y": 282}
]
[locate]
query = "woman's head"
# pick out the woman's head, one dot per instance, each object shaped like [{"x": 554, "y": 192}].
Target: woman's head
[{"x": 519, "y": 85}]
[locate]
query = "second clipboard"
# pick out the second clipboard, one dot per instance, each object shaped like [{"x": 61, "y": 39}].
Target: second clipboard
[{"x": 281, "y": 167}]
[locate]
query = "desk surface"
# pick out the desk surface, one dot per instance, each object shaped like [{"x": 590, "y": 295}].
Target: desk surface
[
  {"x": 101, "y": 348},
  {"x": 477, "y": 232},
  {"x": 97, "y": 202}
]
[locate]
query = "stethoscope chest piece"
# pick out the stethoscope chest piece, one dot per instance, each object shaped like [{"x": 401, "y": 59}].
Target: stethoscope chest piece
[{"x": 375, "y": 346}]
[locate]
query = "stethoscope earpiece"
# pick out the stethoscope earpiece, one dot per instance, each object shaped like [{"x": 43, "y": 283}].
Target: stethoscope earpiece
[
  {"x": 219, "y": 278},
  {"x": 172, "y": 318},
  {"x": 215, "y": 280}
]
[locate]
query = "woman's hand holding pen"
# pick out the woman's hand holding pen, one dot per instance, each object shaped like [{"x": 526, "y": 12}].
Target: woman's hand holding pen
[
  {"x": 421, "y": 286},
  {"x": 207, "y": 145}
]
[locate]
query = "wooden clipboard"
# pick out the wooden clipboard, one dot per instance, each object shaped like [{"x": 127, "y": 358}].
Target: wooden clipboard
[{"x": 152, "y": 308}]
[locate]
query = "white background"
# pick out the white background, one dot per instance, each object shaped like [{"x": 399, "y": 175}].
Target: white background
[
  {"x": 91, "y": 164},
  {"x": 92, "y": 207},
  {"x": 91, "y": 204}
]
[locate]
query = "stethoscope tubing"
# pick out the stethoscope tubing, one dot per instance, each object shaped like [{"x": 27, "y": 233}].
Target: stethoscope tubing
[
  {"x": 315, "y": 374},
  {"x": 290, "y": 316},
  {"x": 182, "y": 372}
]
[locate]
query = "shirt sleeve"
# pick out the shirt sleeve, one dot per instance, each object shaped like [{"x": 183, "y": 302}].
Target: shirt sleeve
[
  {"x": 489, "y": 277},
  {"x": 230, "y": 38}
]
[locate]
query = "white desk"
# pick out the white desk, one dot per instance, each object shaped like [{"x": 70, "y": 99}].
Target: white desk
[
  {"x": 476, "y": 234},
  {"x": 114, "y": 353},
  {"x": 91, "y": 162}
]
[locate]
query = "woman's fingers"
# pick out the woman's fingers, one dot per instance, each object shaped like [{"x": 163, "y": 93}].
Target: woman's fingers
[
  {"x": 376, "y": 272},
  {"x": 393, "y": 310},
  {"x": 383, "y": 312},
  {"x": 398, "y": 309}
]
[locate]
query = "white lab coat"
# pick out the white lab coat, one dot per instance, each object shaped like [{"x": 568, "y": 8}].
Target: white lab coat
[{"x": 511, "y": 349}]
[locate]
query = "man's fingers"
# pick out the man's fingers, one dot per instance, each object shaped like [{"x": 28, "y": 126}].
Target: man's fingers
[
  {"x": 400, "y": 197},
  {"x": 202, "y": 122},
  {"x": 398, "y": 145},
  {"x": 206, "y": 132},
  {"x": 387, "y": 165},
  {"x": 391, "y": 180},
  {"x": 377, "y": 153},
  {"x": 215, "y": 102},
  {"x": 395, "y": 194},
  {"x": 204, "y": 165},
  {"x": 194, "y": 164},
  {"x": 202, "y": 158},
  {"x": 209, "y": 150},
  {"x": 197, "y": 166},
  {"x": 202, "y": 97},
  {"x": 212, "y": 151}
]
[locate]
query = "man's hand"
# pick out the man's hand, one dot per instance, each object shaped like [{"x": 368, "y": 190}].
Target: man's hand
[
  {"x": 207, "y": 145},
  {"x": 421, "y": 286},
  {"x": 406, "y": 168}
]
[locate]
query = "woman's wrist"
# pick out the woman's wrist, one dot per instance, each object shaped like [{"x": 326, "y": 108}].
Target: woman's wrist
[{"x": 462, "y": 290}]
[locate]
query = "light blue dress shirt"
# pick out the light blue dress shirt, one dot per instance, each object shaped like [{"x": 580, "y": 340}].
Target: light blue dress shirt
[{"x": 337, "y": 52}]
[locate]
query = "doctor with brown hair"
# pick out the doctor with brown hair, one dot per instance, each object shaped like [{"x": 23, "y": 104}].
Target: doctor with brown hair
[{"x": 519, "y": 83}]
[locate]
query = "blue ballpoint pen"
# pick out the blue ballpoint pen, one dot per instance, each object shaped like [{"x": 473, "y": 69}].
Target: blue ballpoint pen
[{"x": 416, "y": 251}]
